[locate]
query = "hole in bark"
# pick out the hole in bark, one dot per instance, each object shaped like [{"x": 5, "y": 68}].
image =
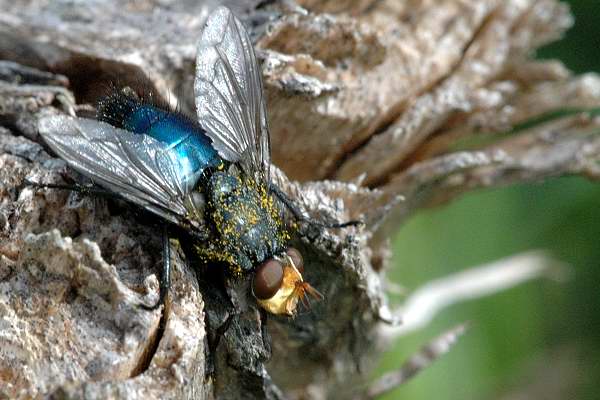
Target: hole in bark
[{"x": 91, "y": 78}]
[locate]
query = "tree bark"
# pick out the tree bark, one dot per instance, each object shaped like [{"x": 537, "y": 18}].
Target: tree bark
[{"x": 376, "y": 108}]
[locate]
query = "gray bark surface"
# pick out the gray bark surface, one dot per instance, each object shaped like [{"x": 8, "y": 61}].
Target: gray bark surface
[{"x": 377, "y": 109}]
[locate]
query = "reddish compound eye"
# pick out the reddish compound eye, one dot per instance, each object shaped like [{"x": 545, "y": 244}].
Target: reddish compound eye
[
  {"x": 267, "y": 279},
  {"x": 296, "y": 257}
]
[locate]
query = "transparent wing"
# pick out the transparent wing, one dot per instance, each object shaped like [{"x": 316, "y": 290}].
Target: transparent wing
[
  {"x": 229, "y": 93},
  {"x": 137, "y": 167}
]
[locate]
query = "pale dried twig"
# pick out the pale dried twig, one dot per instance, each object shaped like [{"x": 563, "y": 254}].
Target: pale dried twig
[
  {"x": 416, "y": 363},
  {"x": 426, "y": 302}
]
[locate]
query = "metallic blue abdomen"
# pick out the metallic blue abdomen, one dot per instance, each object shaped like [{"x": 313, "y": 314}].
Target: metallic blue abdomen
[{"x": 192, "y": 145}]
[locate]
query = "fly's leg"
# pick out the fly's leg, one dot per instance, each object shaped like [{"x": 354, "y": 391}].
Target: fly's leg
[
  {"x": 299, "y": 216},
  {"x": 83, "y": 189},
  {"x": 165, "y": 276}
]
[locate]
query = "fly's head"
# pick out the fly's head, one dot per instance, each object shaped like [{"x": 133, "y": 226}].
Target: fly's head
[{"x": 278, "y": 284}]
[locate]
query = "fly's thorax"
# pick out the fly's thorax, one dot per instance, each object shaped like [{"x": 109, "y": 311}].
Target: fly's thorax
[
  {"x": 247, "y": 223},
  {"x": 223, "y": 184}
]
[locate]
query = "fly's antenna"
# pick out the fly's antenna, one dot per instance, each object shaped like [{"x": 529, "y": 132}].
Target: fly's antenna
[{"x": 304, "y": 291}]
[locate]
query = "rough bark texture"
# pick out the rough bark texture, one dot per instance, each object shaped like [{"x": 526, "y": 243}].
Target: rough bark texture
[{"x": 412, "y": 103}]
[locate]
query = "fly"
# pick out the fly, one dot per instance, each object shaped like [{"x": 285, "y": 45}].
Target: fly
[{"x": 209, "y": 177}]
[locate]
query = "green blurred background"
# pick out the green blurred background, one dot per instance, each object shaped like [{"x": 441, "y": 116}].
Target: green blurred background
[{"x": 540, "y": 340}]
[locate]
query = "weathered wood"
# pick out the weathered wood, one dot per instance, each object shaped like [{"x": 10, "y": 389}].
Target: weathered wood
[{"x": 411, "y": 103}]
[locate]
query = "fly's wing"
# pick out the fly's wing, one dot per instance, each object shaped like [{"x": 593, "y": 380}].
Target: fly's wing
[
  {"x": 229, "y": 93},
  {"x": 137, "y": 167}
]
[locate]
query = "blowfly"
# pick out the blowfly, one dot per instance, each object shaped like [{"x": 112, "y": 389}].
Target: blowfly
[{"x": 210, "y": 177}]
